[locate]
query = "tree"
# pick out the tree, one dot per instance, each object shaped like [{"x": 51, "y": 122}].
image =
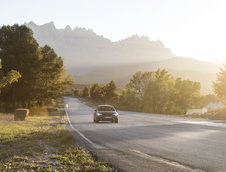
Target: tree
[
  {"x": 205, "y": 100},
  {"x": 133, "y": 94},
  {"x": 138, "y": 82},
  {"x": 76, "y": 93},
  {"x": 219, "y": 86},
  {"x": 85, "y": 92},
  {"x": 52, "y": 79},
  {"x": 159, "y": 92},
  {"x": 11, "y": 77},
  {"x": 110, "y": 90},
  {"x": 20, "y": 52},
  {"x": 185, "y": 94},
  {"x": 96, "y": 92},
  {"x": 42, "y": 71}
]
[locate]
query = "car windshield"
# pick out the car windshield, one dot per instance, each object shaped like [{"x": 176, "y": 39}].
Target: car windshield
[{"x": 105, "y": 108}]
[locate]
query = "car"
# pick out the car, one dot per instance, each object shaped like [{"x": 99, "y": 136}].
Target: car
[{"x": 105, "y": 113}]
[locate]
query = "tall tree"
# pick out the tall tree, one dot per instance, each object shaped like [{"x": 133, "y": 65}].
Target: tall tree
[
  {"x": 185, "y": 94},
  {"x": 219, "y": 86},
  {"x": 133, "y": 94},
  {"x": 96, "y": 92},
  {"x": 85, "y": 92},
  {"x": 51, "y": 81},
  {"x": 11, "y": 77},
  {"x": 157, "y": 92},
  {"x": 20, "y": 52},
  {"x": 110, "y": 90},
  {"x": 42, "y": 70}
]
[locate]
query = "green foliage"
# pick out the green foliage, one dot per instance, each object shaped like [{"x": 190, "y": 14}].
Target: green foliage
[
  {"x": 40, "y": 68},
  {"x": 76, "y": 93},
  {"x": 19, "y": 51},
  {"x": 133, "y": 95},
  {"x": 96, "y": 92},
  {"x": 11, "y": 77},
  {"x": 103, "y": 93},
  {"x": 219, "y": 86},
  {"x": 52, "y": 80},
  {"x": 159, "y": 92},
  {"x": 109, "y": 90},
  {"x": 85, "y": 92},
  {"x": 205, "y": 100}
]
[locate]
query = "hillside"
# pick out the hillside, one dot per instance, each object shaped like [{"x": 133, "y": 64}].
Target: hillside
[
  {"x": 79, "y": 46},
  {"x": 179, "y": 67},
  {"x": 92, "y": 58}
]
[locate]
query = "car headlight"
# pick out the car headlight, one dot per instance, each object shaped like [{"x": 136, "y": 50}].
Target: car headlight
[
  {"x": 116, "y": 114},
  {"x": 98, "y": 114}
]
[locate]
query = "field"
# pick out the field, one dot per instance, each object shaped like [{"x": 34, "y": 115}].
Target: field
[{"x": 42, "y": 144}]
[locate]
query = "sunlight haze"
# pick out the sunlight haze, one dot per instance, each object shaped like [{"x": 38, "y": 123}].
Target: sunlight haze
[{"x": 193, "y": 28}]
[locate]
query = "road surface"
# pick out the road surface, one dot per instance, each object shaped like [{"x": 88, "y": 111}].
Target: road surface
[{"x": 151, "y": 142}]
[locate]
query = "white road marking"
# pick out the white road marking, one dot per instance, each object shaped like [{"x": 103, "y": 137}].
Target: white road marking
[
  {"x": 94, "y": 145},
  {"x": 206, "y": 123},
  {"x": 164, "y": 161}
]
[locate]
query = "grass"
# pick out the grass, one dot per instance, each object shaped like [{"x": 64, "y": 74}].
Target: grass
[
  {"x": 219, "y": 114},
  {"x": 42, "y": 144}
]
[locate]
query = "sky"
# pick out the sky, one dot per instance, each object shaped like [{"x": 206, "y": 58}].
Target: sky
[{"x": 190, "y": 28}]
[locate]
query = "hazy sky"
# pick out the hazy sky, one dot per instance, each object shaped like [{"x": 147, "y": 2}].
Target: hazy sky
[{"x": 191, "y": 28}]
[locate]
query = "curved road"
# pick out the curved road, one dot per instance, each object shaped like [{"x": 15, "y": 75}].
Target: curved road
[{"x": 151, "y": 142}]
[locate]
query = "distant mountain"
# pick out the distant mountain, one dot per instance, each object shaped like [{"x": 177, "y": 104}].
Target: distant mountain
[
  {"x": 82, "y": 47},
  {"x": 92, "y": 58}
]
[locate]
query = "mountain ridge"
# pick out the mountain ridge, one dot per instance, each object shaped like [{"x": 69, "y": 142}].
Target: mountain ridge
[
  {"x": 72, "y": 44},
  {"x": 91, "y": 57}
]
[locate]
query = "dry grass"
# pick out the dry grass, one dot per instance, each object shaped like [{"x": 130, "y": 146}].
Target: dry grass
[
  {"x": 42, "y": 144},
  {"x": 6, "y": 117},
  {"x": 214, "y": 115}
]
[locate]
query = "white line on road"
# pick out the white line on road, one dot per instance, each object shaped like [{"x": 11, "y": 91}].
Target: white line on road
[
  {"x": 94, "y": 145},
  {"x": 164, "y": 161}
]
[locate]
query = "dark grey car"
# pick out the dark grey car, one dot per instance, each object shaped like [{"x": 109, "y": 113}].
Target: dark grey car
[{"x": 105, "y": 113}]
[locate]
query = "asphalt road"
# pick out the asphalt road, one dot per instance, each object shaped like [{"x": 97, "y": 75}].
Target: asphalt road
[{"x": 151, "y": 142}]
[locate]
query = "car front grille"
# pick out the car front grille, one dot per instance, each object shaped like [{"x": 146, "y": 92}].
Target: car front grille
[{"x": 107, "y": 114}]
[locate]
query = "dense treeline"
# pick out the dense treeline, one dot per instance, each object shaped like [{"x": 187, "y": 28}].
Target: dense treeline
[
  {"x": 156, "y": 92},
  {"x": 39, "y": 71},
  {"x": 99, "y": 93},
  {"x": 219, "y": 86},
  {"x": 159, "y": 92}
]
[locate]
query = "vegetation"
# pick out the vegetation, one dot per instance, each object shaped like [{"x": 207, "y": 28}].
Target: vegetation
[
  {"x": 103, "y": 93},
  {"x": 219, "y": 86},
  {"x": 9, "y": 78},
  {"x": 218, "y": 114},
  {"x": 76, "y": 93},
  {"x": 38, "y": 70},
  {"x": 159, "y": 92},
  {"x": 42, "y": 144},
  {"x": 85, "y": 92},
  {"x": 206, "y": 99},
  {"x": 155, "y": 92}
]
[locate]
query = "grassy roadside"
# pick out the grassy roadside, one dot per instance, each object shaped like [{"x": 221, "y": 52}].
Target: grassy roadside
[
  {"x": 42, "y": 144},
  {"x": 219, "y": 114}
]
